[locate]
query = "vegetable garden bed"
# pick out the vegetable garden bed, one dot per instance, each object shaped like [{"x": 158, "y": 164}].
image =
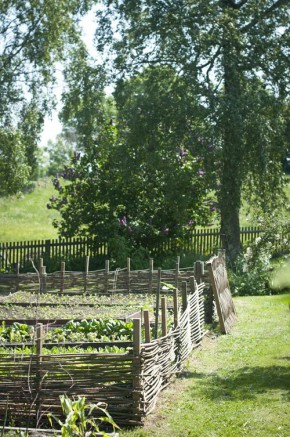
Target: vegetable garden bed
[{"x": 126, "y": 370}]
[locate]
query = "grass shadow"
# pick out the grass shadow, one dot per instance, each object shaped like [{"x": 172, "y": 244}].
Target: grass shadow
[{"x": 244, "y": 383}]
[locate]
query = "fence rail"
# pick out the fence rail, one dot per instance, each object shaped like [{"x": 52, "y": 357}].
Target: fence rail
[{"x": 204, "y": 242}]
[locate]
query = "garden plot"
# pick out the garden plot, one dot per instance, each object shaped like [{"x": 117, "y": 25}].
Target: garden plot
[{"x": 26, "y": 306}]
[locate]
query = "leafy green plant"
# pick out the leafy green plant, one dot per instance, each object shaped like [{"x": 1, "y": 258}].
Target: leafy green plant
[
  {"x": 17, "y": 332},
  {"x": 79, "y": 419},
  {"x": 250, "y": 274}
]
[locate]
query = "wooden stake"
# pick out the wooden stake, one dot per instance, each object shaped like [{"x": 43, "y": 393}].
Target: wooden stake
[
  {"x": 199, "y": 271},
  {"x": 107, "y": 269},
  {"x": 87, "y": 264},
  {"x": 136, "y": 393},
  {"x": 129, "y": 273},
  {"x": 147, "y": 326},
  {"x": 150, "y": 285},
  {"x": 157, "y": 302},
  {"x": 39, "y": 340},
  {"x": 177, "y": 271},
  {"x": 42, "y": 275},
  {"x": 62, "y": 272},
  {"x": 136, "y": 337},
  {"x": 184, "y": 295},
  {"x": 164, "y": 316},
  {"x": 175, "y": 306}
]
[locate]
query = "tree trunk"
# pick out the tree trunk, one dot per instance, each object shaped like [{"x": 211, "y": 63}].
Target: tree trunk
[{"x": 231, "y": 164}]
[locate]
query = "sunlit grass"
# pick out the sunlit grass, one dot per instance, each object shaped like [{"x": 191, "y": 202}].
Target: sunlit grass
[
  {"x": 235, "y": 385},
  {"x": 26, "y": 217}
]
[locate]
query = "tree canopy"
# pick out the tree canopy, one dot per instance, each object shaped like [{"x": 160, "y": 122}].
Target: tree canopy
[
  {"x": 34, "y": 35},
  {"x": 235, "y": 55}
]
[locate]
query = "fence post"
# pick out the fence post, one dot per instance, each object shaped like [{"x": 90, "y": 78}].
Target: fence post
[
  {"x": 129, "y": 273},
  {"x": 62, "y": 273},
  {"x": 192, "y": 284},
  {"x": 87, "y": 264},
  {"x": 147, "y": 326},
  {"x": 39, "y": 343},
  {"x": 47, "y": 248},
  {"x": 136, "y": 394},
  {"x": 107, "y": 269},
  {"x": 42, "y": 277},
  {"x": 164, "y": 316},
  {"x": 175, "y": 306},
  {"x": 184, "y": 295},
  {"x": 150, "y": 285},
  {"x": 177, "y": 271},
  {"x": 157, "y": 302},
  {"x": 198, "y": 271}
]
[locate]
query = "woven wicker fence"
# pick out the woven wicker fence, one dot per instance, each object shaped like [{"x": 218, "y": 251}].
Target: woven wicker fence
[
  {"x": 129, "y": 383},
  {"x": 103, "y": 281}
]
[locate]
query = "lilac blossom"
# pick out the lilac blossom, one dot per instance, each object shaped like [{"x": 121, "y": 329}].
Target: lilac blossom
[{"x": 123, "y": 221}]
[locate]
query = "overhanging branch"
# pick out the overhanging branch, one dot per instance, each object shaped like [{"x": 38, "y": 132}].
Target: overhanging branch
[{"x": 264, "y": 14}]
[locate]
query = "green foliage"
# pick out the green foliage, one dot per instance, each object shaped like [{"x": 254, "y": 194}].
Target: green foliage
[
  {"x": 34, "y": 35},
  {"x": 17, "y": 332},
  {"x": 14, "y": 169},
  {"x": 251, "y": 273},
  {"x": 59, "y": 154},
  {"x": 232, "y": 57},
  {"x": 250, "y": 281},
  {"x": 79, "y": 417},
  {"x": 85, "y": 330}
]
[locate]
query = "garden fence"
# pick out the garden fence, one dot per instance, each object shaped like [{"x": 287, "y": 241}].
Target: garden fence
[
  {"x": 98, "y": 281},
  {"x": 129, "y": 383},
  {"x": 204, "y": 242}
]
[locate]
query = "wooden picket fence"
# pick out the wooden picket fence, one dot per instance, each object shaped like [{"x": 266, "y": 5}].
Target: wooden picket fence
[{"x": 203, "y": 242}]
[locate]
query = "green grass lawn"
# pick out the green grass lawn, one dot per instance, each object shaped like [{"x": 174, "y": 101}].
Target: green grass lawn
[
  {"x": 234, "y": 385},
  {"x": 26, "y": 217}
]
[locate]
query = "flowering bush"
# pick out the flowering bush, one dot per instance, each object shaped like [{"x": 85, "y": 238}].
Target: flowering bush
[{"x": 251, "y": 272}]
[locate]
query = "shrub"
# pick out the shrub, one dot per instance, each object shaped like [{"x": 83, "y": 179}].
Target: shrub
[{"x": 250, "y": 274}]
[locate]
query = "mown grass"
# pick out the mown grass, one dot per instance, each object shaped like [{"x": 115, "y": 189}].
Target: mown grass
[
  {"x": 234, "y": 385},
  {"x": 26, "y": 217}
]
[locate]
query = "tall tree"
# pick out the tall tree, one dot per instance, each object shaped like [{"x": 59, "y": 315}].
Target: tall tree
[
  {"x": 33, "y": 37},
  {"x": 235, "y": 54}
]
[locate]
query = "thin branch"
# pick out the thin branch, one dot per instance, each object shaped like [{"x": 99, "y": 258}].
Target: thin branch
[{"x": 265, "y": 14}]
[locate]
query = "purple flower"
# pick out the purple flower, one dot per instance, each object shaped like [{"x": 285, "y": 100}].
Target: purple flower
[
  {"x": 201, "y": 173},
  {"x": 191, "y": 223},
  {"x": 123, "y": 221}
]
